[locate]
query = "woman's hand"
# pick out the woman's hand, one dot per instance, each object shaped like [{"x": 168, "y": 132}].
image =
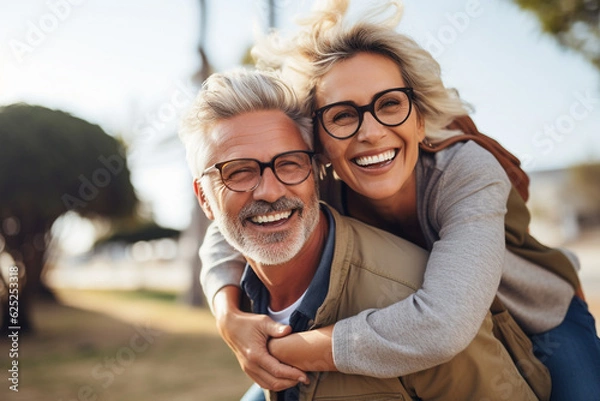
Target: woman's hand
[
  {"x": 247, "y": 335},
  {"x": 309, "y": 350}
]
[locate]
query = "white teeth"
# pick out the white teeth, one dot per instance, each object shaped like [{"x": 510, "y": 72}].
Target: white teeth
[
  {"x": 271, "y": 218},
  {"x": 380, "y": 158}
]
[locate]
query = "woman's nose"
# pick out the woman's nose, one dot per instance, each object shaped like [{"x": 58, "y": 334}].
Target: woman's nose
[{"x": 370, "y": 130}]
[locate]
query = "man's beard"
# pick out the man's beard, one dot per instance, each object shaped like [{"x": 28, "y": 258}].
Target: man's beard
[{"x": 270, "y": 248}]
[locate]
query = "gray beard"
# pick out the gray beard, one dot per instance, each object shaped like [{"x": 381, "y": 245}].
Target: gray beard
[{"x": 271, "y": 248}]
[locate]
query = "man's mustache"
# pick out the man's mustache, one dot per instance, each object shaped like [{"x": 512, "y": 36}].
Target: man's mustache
[{"x": 263, "y": 207}]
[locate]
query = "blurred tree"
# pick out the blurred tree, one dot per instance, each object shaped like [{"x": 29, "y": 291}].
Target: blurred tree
[
  {"x": 50, "y": 163},
  {"x": 271, "y": 14},
  {"x": 194, "y": 235},
  {"x": 141, "y": 231},
  {"x": 205, "y": 68},
  {"x": 271, "y": 8},
  {"x": 574, "y": 23}
]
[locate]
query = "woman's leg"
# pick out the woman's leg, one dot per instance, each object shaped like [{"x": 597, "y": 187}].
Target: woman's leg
[
  {"x": 254, "y": 393},
  {"x": 571, "y": 352}
]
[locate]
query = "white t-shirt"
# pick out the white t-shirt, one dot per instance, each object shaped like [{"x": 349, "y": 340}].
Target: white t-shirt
[{"x": 283, "y": 316}]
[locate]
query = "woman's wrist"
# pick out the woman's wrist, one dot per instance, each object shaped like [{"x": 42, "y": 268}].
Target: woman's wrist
[{"x": 308, "y": 351}]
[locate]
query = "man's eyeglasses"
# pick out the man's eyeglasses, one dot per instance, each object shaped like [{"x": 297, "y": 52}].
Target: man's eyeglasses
[
  {"x": 343, "y": 119},
  {"x": 243, "y": 175}
]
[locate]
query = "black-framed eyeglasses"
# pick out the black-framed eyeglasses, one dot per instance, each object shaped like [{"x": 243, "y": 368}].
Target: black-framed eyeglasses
[
  {"x": 390, "y": 107},
  {"x": 243, "y": 175}
]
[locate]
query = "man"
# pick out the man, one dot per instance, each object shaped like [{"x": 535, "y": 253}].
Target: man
[{"x": 249, "y": 147}]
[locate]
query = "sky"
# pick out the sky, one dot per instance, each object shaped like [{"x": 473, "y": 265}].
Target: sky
[{"x": 127, "y": 66}]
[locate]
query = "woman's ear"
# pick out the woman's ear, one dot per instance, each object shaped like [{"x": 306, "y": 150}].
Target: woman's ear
[{"x": 202, "y": 201}]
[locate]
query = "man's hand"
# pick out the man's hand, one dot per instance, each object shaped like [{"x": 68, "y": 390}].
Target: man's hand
[{"x": 247, "y": 335}]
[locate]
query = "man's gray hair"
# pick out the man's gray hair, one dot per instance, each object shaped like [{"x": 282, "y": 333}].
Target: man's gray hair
[{"x": 229, "y": 94}]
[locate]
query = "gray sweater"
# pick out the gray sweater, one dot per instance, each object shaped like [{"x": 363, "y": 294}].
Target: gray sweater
[{"x": 461, "y": 202}]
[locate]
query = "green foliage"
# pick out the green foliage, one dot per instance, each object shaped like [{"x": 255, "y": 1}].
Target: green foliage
[
  {"x": 145, "y": 231},
  {"x": 51, "y": 162},
  {"x": 574, "y": 23},
  {"x": 169, "y": 297}
]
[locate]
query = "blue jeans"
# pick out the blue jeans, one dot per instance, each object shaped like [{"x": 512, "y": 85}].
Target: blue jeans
[
  {"x": 571, "y": 352},
  {"x": 254, "y": 393}
]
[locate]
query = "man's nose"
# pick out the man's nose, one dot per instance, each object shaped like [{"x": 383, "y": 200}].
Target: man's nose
[{"x": 269, "y": 188}]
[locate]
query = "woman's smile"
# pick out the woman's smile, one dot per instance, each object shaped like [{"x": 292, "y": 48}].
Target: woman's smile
[{"x": 378, "y": 160}]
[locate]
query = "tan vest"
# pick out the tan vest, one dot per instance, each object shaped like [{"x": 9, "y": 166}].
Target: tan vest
[{"x": 362, "y": 277}]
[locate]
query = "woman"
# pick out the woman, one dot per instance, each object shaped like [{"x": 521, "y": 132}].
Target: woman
[{"x": 375, "y": 96}]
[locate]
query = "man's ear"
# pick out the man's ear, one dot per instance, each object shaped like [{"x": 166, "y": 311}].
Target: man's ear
[{"x": 201, "y": 196}]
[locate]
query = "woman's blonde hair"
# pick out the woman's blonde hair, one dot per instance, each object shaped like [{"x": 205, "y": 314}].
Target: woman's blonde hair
[{"x": 325, "y": 38}]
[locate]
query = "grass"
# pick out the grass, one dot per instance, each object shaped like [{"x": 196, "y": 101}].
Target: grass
[
  {"x": 120, "y": 346},
  {"x": 127, "y": 346}
]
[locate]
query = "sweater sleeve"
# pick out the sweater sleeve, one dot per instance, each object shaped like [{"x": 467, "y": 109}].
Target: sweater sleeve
[
  {"x": 465, "y": 205},
  {"x": 222, "y": 264}
]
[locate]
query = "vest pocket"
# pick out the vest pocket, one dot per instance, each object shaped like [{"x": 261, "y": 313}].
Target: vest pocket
[
  {"x": 520, "y": 349},
  {"x": 336, "y": 386}
]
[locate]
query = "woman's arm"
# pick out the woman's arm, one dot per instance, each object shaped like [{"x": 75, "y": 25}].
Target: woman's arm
[
  {"x": 222, "y": 264},
  {"x": 245, "y": 333},
  {"x": 307, "y": 351},
  {"x": 466, "y": 208}
]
